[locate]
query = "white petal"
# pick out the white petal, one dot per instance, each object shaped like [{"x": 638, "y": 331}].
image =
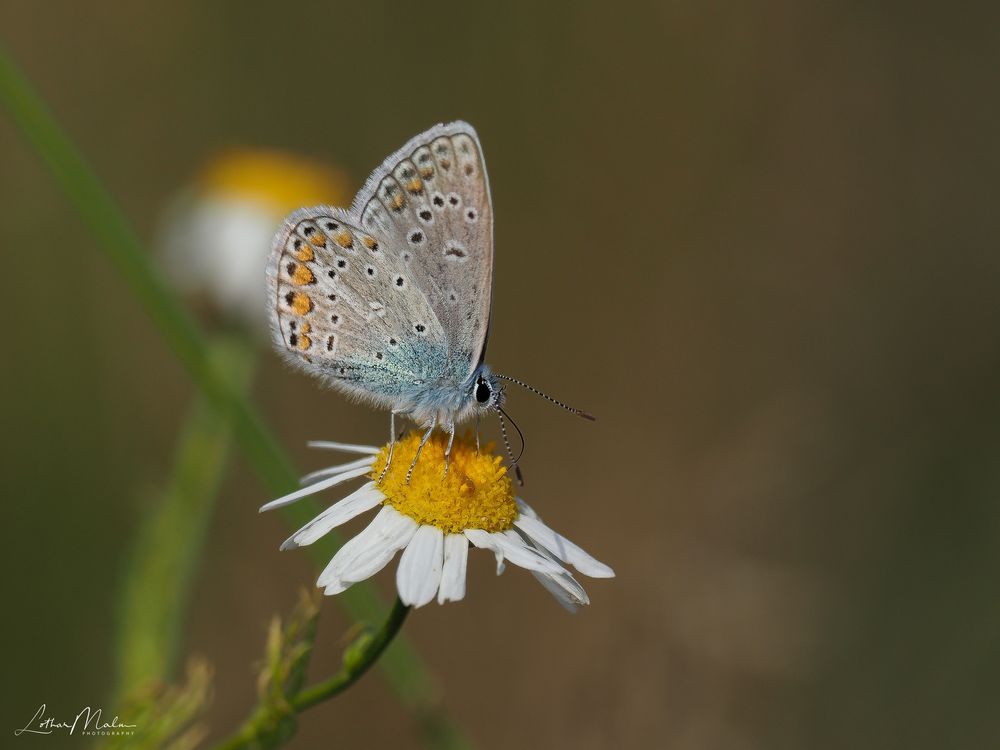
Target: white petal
[
  {"x": 345, "y": 447},
  {"x": 365, "y": 498},
  {"x": 339, "y": 469},
  {"x": 482, "y": 540},
  {"x": 515, "y": 550},
  {"x": 419, "y": 571},
  {"x": 314, "y": 488},
  {"x": 337, "y": 587},
  {"x": 525, "y": 508},
  {"x": 371, "y": 550},
  {"x": 372, "y": 560},
  {"x": 562, "y": 547},
  {"x": 564, "y": 588},
  {"x": 394, "y": 534},
  {"x": 456, "y": 557}
]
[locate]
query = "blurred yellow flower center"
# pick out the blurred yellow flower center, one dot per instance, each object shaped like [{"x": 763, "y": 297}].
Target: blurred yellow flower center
[
  {"x": 476, "y": 493},
  {"x": 281, "y": 180}
]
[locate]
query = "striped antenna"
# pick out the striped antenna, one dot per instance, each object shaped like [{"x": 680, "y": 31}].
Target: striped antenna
[{"x": 570, "y": 409}]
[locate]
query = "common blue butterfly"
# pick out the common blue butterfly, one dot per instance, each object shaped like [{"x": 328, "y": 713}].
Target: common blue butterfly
[{"x": 389, "y": 301}]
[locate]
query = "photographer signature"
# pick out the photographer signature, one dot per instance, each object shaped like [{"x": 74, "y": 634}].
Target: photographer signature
[{"x": 88, "y": 721}]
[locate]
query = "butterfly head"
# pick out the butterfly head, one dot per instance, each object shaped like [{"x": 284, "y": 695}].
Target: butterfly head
[{"x": 487, "y": 392}]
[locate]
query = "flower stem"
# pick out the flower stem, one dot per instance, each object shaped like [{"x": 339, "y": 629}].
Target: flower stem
[
  {"x": 272, "y": 725},
  {"x": 352, "y": 672},
  {"x": 168, "y": 544}
]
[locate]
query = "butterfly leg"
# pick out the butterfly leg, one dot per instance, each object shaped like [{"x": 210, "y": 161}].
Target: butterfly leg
[
  {"x": 392, "y": 445},
  {"x": 447, "y": 452},
  {"x": 477, "y": 434},
  {"x": 420, "y": 447}
]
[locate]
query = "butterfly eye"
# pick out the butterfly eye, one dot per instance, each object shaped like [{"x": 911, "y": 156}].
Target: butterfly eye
[{"x": 483, "y": 392}]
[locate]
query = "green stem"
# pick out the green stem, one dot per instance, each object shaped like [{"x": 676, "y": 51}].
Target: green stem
[
  {"x": 403, "y": 668},
  {"x": 352, "y": 672},
  {"x": 258, "y": 731},
  {"x": 168, "y": 544}
]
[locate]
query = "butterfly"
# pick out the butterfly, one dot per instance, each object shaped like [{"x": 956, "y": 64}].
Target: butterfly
[{"x": 389, "y": 301}]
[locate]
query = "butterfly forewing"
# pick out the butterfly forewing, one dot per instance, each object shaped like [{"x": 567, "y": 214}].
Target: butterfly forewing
[
  {"x": 343, "y": 306},
  {"x": 431, "y": 202},
  {"x": 391, "y": 299}
]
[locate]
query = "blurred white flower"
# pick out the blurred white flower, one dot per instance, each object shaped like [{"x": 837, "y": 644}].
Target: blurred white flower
[
  {"x": 217, "y": 234},
  {"x": 432, "y": 518}
]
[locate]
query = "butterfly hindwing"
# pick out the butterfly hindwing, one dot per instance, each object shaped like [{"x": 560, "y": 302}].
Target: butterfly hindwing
[{"x": 431, "y": 201}]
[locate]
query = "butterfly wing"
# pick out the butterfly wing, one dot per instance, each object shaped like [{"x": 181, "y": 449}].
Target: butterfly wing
[
  {"x": 345, "y": 306},
  {"x": 431, "y": 202}
]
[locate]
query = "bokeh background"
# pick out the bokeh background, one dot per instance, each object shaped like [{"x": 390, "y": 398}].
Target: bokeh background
[{"x": 760, "y": 242}]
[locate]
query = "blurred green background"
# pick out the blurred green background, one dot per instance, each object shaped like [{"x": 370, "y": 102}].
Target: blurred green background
[{"x": 759, "y": 242}]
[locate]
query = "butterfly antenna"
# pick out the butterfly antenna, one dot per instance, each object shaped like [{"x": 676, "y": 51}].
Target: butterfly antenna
[
  {"x": 506, "y": 442},
  {"x": 520, "y": 435},
  {"x": 570, "y": 409}
]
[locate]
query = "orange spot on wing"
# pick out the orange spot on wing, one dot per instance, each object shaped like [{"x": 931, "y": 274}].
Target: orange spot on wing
[
  {"x": 302, "y": 275},
  {"x": 305, "y": 253},
  {"x": 397, "y": 202},
  {"x": 426, "y": 172},
  {"x": 369, "y": 242},
  {"x": 344, "y": 238},
  {"x": 301, "y": 304},
  {"x": 415, "y": 186},
  {"x": 318, "y": 240}
]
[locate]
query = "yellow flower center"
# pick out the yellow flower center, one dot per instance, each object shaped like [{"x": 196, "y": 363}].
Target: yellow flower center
[
  {"x": 475, "y": 494},
  {"x": 281, "y": 180}
]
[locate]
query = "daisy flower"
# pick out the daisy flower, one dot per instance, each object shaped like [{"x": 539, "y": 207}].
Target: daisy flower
[
  {"x": 216, "y": 235},
  {"x": 433, "y": 519}
]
